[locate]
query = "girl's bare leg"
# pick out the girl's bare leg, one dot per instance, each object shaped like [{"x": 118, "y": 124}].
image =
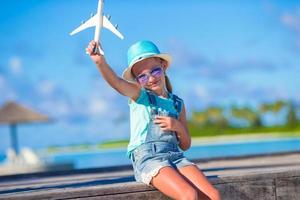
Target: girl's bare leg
[
  {"x": 194, "y": 175},
  {"x": 170, "y": 182}
]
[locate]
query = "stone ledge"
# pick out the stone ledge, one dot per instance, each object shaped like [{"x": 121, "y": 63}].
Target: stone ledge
[
  {"x": 271, "y": 185},
  {"x": 272, "y": 177}
]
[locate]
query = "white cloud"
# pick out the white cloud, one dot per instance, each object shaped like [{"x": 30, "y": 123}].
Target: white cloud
[
  {"x": 61, "y": 107},
  {"x": 15, "y": 65},
  {"x": 196, "y": 63},
  {"x": 97, "y": 106},
  {"x": 292, "y": 22},
  {"x": 57, "y": 108},
  {"x": 183, "y": 55},
  {"x": 46, "y": 87},
  {"x": 6, "y": 92},
  {"x": 202, "y": 93},
  {"x": 104, "y": 101}
]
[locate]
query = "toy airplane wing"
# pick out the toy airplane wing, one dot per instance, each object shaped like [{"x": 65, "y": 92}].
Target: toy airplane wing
[
  {"x": 112, "y": 28},
  {"x": 89, "y": 23},
  {"x": 92, "y": 22}
]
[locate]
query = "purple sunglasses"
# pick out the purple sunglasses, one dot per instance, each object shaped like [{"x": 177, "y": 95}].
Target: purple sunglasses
[{"x": 144, "y": 77}]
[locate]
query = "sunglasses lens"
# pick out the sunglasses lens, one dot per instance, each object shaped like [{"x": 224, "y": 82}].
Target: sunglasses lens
[
  {"x": 157, "y": 72},
  {"x": 142, "y": 79}
]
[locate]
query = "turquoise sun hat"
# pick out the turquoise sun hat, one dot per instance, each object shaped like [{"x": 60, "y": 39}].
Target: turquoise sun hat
[{"x": 140, "y": 51}]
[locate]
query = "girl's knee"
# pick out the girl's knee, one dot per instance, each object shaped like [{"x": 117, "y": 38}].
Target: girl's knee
[
  {"x": 215, "y": 195},
  {"x": 189, "y": 194}
]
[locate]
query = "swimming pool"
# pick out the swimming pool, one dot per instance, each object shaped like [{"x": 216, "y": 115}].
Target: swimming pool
[{"x": 104, "y": 158}]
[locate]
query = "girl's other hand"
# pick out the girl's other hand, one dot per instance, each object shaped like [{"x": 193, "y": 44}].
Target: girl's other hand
[
  {"x": 96, "y": 57},
  {"x": 167, "y": 123}
]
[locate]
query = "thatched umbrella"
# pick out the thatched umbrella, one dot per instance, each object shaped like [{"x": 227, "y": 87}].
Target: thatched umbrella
[{"x": 12, "y": 113}]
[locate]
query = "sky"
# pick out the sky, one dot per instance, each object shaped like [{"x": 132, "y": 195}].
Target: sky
[{"x": 224, "y": 52}]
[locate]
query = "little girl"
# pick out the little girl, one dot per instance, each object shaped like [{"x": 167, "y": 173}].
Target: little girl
[{"x": 158, "y": 123}]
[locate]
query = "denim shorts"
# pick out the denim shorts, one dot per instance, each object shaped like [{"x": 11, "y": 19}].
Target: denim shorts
[{"x": 149, "y": 158}]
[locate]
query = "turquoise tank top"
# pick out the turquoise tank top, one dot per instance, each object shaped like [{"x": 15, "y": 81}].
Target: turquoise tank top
[{"x": 140, "y": 115}]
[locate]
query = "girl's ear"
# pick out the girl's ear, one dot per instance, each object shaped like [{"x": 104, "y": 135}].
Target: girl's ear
[{"x": 164, "y": 63}]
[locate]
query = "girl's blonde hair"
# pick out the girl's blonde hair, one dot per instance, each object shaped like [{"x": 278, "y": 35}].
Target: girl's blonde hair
[
  {"x": 168, "y": 84},
  {"x": 167, "y": 80}
]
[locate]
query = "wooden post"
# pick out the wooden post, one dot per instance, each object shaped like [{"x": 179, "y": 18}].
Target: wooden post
[{"x": 14, "y": 138}]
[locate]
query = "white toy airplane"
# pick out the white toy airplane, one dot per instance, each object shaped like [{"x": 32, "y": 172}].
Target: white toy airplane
[{"x": 99, "y": 21}]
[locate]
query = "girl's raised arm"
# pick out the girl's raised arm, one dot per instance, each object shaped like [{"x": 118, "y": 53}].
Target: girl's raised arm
[{"x": 130, "y": 89}]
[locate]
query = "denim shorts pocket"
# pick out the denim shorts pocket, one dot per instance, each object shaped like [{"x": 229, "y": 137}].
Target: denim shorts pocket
[{"x": 141, "y": 156}]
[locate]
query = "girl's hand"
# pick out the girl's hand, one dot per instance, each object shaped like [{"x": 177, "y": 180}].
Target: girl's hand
[
  {"x": 167, "y": 123},
  {"x": 96, "y": 57}
]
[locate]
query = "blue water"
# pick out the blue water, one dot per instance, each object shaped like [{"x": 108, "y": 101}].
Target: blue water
[
  {"x": 105, "y": 158},
  {"x": 2, "y": 158}
]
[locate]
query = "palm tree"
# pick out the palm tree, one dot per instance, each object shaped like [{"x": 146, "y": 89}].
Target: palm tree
[
  {"x": 274, "y": 107},
  {"x": 212, "y": 116},
  {"x": 291, "y": 116},
  {"x": 246, "y": 113},
  {"x": 199, "y": 117}
]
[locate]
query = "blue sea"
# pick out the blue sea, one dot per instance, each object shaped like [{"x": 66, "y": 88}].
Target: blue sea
[
  {"x": 115, "y": 157},
  {"x": 105, "y": 158},
  {"x": 2, "y": 157}
]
